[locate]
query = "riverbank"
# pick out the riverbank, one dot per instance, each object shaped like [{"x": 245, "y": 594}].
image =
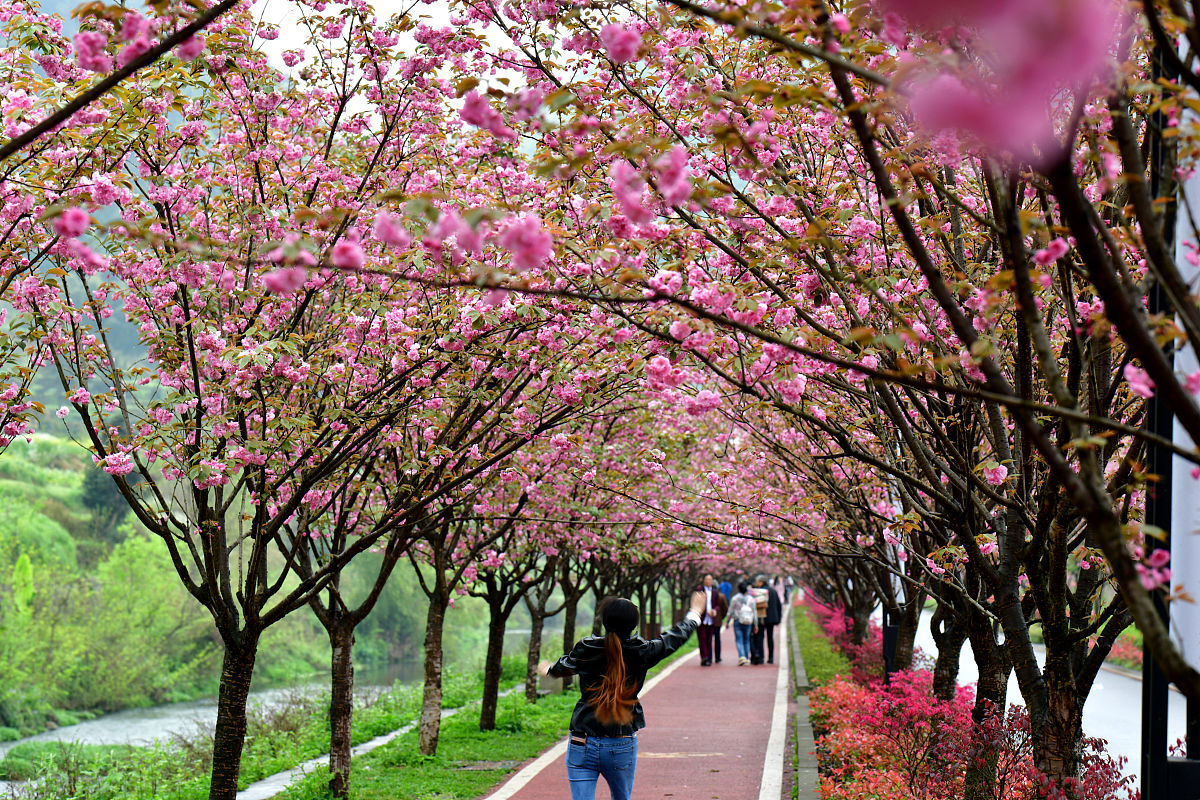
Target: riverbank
[{"x": 280, "y": 735}]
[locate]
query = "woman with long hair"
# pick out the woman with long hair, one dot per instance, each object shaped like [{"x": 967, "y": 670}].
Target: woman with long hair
[{"x": 611, "y": 670}]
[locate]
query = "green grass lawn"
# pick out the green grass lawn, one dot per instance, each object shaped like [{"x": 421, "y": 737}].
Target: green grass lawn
[
  {"x": 821, "y": 661},
  {"x": 469, "y": 762}
]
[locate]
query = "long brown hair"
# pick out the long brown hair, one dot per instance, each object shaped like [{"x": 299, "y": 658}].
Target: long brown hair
[{"x": 613, "y": 699}]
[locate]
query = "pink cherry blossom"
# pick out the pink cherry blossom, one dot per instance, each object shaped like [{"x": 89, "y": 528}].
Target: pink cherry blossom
[
  {"x": 531, "y": 245},
  {"x": 705, "y": 400},
  {"x": 117, "y": 464},
  {"x": 132, "y": 25},
  {"x": 479, "y": 112},
  {"x": 622, "y": 43},
  {"x": 347, "y": 254},
  {"x": 89, "y": 51},
  {"x": 285, "y": 281},
  {"x": 995, "y": 475},
  {"x": 389, "y": 230},
  {"x": 1192, "y": 383},
  {"x": 72, "y": 222},
  {"x": 134, "y": 50},
  {"x": 1159, "y": 558},
  {"x": 1139, "y": 382},
  {"x": 674, "y": 178},
  {"x": 1052, "y": 252},
  {"x": 190, "y": 47},
  {"x": 1034, "y": 50},
  {"x": 627, "y": 186}
]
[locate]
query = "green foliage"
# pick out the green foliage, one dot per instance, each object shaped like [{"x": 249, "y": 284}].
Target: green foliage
[
  {"x": 821, "y": 661},
  {"x": 469, "y": 762},
  {"x": 33, "y": 759},
  {"x": 26, "y": 531},
  {"x": 9, "y": 734},
  {"x": 100, "y": 495}
]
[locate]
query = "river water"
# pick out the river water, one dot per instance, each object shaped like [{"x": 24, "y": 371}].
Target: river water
[{"x": 143, "y": 726}]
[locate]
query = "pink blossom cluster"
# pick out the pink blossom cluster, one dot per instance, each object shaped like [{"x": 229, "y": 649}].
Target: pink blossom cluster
[{"x": 1033, "y": 51}]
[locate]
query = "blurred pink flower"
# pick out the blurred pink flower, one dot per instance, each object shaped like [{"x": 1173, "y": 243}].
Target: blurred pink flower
[
  {"x": 285, "y": 281},
  {"x": 1139, "y": 382},
  {"x": 622, "y": 43},
  {"x": 1026, "y": 53},
  {"x": 72, "y": 222},
  {"x": 132, "y": 51},
  {"x": 627, "y": 185},
  {"x": 389, "y": 230},
  {"x": 1051, "y": 252},
  {"x": 674, "y": 177},
  {"x": 531, "y": 245},
  {"x": 347, "y": 255},
  {"x": 478, "y": 111},
  {"x": 190, "y": 47},
  {"x": 995, "y": 475},
  {"x": 89, "y": 51}
]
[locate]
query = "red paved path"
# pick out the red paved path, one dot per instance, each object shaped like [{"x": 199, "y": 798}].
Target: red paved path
[{"x": 705, "y": 736}]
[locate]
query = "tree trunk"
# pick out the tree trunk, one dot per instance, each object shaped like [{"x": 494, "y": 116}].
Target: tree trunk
[
  {"x": 859, "y": 625},
  {"x": 237, "y": 669},
  {"x": 991, "y": 695},
  {"x": 537, "y": 622},
  {"x": 571, "y": 608},
  {"x": 945, "y": 668},
  {"x": 431, "y": 699},
  {"x": 341, "y": 706},
  {"x": 949, "y": 634},
  {"x": 1058, "y": 739},
  {"x": 906, "y": 641},
  {"x": 493, "y": 664}
]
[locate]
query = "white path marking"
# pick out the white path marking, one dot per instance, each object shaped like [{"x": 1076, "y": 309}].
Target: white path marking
[{"x": 771, "y": 787}]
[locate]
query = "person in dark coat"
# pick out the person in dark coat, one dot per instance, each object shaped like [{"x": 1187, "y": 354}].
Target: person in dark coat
[
  {"x": 715, "y": 608},
  {"x": 773, "y": 617},
  {"x": 611, "y": 670}
]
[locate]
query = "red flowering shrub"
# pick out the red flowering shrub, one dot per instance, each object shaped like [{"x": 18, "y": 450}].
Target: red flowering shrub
[
  {"x": 1127, "y": 650},
  {"x": 896, "y": 741}
]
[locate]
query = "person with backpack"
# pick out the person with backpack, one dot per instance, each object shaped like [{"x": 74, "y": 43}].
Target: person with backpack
[
  {"x": 743, "y": 615},
  {"x": 772, "y": 618},
  {"x": 611, "y": 670},
  {"x": 760, "y": 593}
]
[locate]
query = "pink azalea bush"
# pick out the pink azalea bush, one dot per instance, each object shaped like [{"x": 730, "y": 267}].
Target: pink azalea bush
[{"x": 895, "y": 740}]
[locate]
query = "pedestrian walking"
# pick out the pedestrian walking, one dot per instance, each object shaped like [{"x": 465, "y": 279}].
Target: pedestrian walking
[
  {"x": 759, "y": 592},
  {"x": 743, "y": 615},
  {"x": 726, "y": 592},
  {"x": 710, "y": 626},
  {"x": 611, "y": 670},
  {"x": 773, "y": 617}
]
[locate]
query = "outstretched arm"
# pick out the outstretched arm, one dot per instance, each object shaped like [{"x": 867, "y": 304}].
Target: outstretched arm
[{"x": 672, "y": 639}]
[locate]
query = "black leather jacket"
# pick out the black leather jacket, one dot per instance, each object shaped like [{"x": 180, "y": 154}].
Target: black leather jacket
[{"x": 587, "y": 660}]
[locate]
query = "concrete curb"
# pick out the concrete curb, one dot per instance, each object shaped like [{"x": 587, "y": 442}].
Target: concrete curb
[
  {"x": 808, "y": 780},
  {"x": 771, "y": 787}
]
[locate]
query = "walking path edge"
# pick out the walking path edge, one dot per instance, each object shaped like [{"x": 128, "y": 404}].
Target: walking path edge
[{"x": 808, "y": 779}]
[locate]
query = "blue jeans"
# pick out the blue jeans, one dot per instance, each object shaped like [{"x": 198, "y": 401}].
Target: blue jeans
[
  {"x": 614, "y": 758},
  {"x": 742, "y": 634}
]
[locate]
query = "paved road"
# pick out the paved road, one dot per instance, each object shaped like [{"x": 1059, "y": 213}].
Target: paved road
[
  {"x": 707, "y": 732},
  {"x": 1112, "y": 711}
]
